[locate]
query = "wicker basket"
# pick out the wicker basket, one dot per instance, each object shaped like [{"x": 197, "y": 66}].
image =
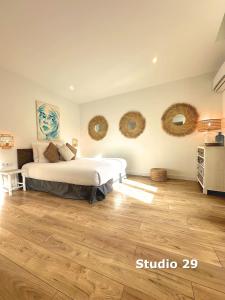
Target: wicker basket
[{"x": 158, "y": 174}]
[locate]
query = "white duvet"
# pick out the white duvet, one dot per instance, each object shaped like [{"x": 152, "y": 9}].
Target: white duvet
[{"x": 82, "y": 171}]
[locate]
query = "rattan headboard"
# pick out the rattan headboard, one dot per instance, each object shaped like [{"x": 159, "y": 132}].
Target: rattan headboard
[{"x": 24, "y": 156}]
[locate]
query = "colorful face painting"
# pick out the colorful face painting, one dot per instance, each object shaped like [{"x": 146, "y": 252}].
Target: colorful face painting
[{"x": 48, "y": 119}]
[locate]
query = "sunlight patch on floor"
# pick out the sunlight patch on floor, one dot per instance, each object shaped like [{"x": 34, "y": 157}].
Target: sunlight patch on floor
[
  {"x": 133, "y": 192},
  {"x": 118, "y": 200},
  {"x": 140, "y": 185}
]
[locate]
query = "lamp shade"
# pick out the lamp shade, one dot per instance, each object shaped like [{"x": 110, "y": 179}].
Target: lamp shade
[
  {"x": 208, "y": 125},
  {"x": 6, "y": 140},
  {"x": 74, "y": 142}
]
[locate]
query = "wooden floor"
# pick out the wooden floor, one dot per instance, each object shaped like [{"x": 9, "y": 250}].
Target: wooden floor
[{"x": 52, "y": 248}]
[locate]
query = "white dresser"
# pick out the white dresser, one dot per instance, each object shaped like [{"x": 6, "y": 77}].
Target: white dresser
[{"x": 211, "y": 168}]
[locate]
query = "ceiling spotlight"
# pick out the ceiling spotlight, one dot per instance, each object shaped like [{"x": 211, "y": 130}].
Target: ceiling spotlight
[
  {"x": 154, "y": 61},
  {"x": 72, "y": 88}
]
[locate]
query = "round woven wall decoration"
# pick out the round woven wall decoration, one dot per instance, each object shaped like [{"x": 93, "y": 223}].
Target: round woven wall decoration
[
  {"x": 97, "y": 128},
  {"x": 180, "y": 119},
  {"x": 132, "y": 124}
]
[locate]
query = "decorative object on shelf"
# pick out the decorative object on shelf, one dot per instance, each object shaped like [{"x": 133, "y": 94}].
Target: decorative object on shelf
[
  {"x": 74, "y": 142},
  {"x": 180, "y": 119},
  {"x": 48, "y": 121},
  {"x": 220, "y": 138},
  {"x": 97, "y": 128},
  {"x": 6, "y": 140},
  {"x": 158, "y": 174},
  {"x": 208, "y": 126},
  {"x": 132, "y": 124}
]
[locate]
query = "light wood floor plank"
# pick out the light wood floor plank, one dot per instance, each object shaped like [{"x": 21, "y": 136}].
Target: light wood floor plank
[
  {"x": 132, "y": 294},
  {"x": 17, "y": 284},
  {"x": 60, "y": 296},
  {"x": 204, "y": 293},
  {"x": 109, "y": 266},
  {"x": 181, "y": 243},
  {"x": 71, "y": 278},
  {"x": 221, "y": 254},
  {"x": 194, "y": 236},
  {"x": 206, "y": 274},
  {"x": 82, "y": 251}
]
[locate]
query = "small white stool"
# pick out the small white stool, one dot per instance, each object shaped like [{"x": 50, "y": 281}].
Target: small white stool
[{"x": 9, "y": 175}]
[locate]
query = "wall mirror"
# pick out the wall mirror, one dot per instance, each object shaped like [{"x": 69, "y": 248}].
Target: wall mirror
[
  {"x": 132, "y": 124},
  {"x": 180, "y": 119},
  {"x": 97, "y": 128}
]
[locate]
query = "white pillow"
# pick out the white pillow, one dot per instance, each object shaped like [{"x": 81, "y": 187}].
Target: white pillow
[
  {"x": 35, "y": 152},
  {"x": 39, "y": 149},
  {"x": 66, "y": 153}
]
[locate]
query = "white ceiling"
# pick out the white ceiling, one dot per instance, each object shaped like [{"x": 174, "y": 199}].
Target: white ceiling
[{"x": 106, "y": 47}]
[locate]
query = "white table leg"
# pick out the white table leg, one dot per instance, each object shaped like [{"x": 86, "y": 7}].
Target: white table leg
[
  {"x": 2, "y": 181},
  {"x": 24, "y": 183},
  {"x": 10, "y": 185},
  {"x": 120, "y": 178}
]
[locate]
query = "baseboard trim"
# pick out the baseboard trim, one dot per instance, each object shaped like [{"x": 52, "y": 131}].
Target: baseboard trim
[{"x": 170, "y": 176}]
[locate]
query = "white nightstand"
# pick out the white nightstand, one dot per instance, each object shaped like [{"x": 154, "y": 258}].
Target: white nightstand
[{"x": 10, "y": 180}]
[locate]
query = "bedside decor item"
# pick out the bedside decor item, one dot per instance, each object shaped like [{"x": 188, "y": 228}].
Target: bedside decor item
[
  {"x": 48, "y": 121},
  {"x": 208, "y": 126},
  {"x": 220, "y": 138},
  {"x": 97, "y": 128},
  {"x": 180, "y": 119},
  {"x": 158, "y": 174},
  {"x": 6, "y": 140},
  {"x": 74, "y": 142},
  {"x": 132, "y": 124}
]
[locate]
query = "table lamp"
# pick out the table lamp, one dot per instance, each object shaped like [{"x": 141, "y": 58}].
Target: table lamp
[
  {"x": 74, "y": 142},
  {"x": 208, "y": 126}
]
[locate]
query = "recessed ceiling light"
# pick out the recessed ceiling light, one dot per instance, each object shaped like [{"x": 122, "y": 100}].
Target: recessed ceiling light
[
  {"x": 154, "y": 60},
  {"x": 71, "y": 87}
]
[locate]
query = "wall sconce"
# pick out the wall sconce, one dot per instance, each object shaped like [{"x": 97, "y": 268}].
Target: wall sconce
[
  {"x": 6, "y": 140},
  {"x": 74, "y": 142}
]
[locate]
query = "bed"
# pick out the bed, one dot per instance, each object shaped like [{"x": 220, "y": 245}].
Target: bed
[{"x": 82, "y": 178}]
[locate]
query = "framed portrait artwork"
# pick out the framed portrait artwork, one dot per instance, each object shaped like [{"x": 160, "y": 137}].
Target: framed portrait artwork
[{"x": 48, "y": 121}]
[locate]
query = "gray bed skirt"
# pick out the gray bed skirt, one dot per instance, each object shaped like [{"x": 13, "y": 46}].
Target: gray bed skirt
[{"x": 71, "y": 191}]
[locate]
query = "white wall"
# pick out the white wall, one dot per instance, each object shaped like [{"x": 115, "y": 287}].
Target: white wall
[
  {"x": 154, "y": 148},
  {"x": 223, "y": 99},
  {"x": 17, "y": 112}
]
